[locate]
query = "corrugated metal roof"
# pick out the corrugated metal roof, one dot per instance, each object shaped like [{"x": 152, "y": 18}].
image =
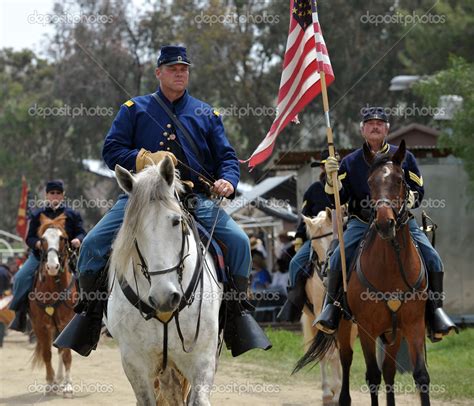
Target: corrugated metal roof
[{"x": 257, "y": 191}]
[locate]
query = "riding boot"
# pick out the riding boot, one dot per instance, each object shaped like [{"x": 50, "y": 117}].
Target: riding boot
[
  {"x": 439, "y": 323},
  {"x": 328, "y": 320},
  {"x": 241, "y": 332},
  {"x": 83, "y": 331},
  {"x": 19, "y": 322},
  {"x": 291, "y": 310}
]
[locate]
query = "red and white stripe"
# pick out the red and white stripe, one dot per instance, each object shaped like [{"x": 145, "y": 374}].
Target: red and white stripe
[{"x": 306, "y": 54}]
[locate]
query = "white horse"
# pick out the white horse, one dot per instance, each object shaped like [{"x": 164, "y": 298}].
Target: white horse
[
  {"x": 155, "y": 254},
  {"x": 319, "y": 230}
]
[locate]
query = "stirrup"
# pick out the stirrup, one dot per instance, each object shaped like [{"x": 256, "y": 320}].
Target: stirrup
[
  {"x": 328, "y": 320},
  {"x": 248, "y": 335},
  {"x": 441, "y": 326}
]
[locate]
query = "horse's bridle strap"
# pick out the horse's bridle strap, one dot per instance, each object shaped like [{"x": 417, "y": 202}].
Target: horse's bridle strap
[{"x": 321, "y": 236}]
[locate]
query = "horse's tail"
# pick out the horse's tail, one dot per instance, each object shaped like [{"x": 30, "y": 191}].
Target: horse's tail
[
  {"x": 321, "y": 345},
  {"x": 37, "y": 357}
]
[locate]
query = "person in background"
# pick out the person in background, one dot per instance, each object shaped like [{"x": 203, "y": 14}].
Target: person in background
[{"x": 314, "y": 201}]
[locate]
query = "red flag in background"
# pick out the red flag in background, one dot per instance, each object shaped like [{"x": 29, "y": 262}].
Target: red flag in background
[
  {"x": 22, "y": 219},
  {"x": 305, "y": 56}
]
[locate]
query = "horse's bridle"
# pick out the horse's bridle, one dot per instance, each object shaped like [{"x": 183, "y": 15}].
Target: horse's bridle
[
  {"x": 57, "y": 280},
  {"x": 62, "y": 256},
  {"x": 178, "y": 267},
  {"x": 188, "y": 295},
  {"x": 402, "y": 215}
]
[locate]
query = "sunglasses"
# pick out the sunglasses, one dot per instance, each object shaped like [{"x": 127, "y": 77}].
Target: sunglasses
[{"x": 55, "y": 192}]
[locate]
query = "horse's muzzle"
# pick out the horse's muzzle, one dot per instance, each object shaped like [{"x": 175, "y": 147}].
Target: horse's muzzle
[
  {"x": 52, "y": 269},
  {"x": 168, "y": 305},
  {"x": 386, "y": 229}
]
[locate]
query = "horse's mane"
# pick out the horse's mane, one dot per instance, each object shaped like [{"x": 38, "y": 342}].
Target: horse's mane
[
  {"x": 46, "y": 222},
  {"x": 149, "y": 189}
]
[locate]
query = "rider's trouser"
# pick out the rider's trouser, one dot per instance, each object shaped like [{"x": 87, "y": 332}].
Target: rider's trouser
[
  {"x": 96, "y": 246},
  {"x": 23, "y": 281},
  {"x": 299, "y": 262},
  {"x": 356, "y": 230}
]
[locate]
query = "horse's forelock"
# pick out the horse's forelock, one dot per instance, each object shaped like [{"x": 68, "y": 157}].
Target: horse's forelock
[
  {"x": 379, "y": 160},
  {"x": 58, "y": 222}
]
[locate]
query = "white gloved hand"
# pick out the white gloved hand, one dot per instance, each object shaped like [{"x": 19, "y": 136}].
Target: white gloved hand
[
  {"x": 298, "y": 243},
  {"x": 411, "y": 199},
  {"x": 331, "y": 166}
]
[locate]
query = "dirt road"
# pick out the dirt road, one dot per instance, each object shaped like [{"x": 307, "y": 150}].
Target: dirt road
[{"x": 100, "y": 380}]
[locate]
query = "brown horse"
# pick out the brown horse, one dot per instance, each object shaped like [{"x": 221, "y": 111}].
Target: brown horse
[
  {"x": 387, "y": 293},
  {"x": 51, "y": 302}
]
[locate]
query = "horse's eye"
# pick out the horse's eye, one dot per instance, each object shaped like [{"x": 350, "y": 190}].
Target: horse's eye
[{"x": 176, "y": 220}]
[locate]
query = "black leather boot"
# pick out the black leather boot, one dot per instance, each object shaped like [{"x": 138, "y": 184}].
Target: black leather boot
[
  {"x": 83, "y": 331},
  {"x": 328, "y": 320},
  {"x": 19, "y": 322},
  {"x": 242, "y": 333},
  {"x": 439, "y": 323},
  {"x": 291, "y": 310}
]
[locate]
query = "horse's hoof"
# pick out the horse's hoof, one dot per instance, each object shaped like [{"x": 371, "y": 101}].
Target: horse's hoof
[
  {"x": 68, "y": 391},
  {"x": 330, "y": 399},
  {"x": 51, "y": 389}
]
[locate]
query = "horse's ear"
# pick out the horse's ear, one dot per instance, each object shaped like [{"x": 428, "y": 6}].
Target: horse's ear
[
  {"x": 43, "y": 218},
  {"x": 167, "y": 170},
  {"x": 124, "y": 178},
  {"x": 368, "y": 154},
  {"x": 329, "y": 213},
  {"x": 399, "y": 156},
  {"x": 307, "y": 220}
]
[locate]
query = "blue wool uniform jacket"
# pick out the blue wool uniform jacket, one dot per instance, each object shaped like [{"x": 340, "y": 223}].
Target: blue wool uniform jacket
[
  {"x": 73, "y": 226},
  {"x": 353, "y": 173},
  {"x": 142, "y": 123},
  {"x": 315, "y": 200}
]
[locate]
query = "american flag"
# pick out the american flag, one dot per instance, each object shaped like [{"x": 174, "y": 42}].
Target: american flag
[{"x": 305, "y": 56}]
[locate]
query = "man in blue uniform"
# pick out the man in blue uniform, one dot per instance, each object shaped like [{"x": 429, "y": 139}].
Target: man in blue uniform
[
  {"x": 24, "y": 278},
  {"x": 353, "y": 189},
  {"x": 315, "y": 200},
  {"x": 171, "y": 123}
]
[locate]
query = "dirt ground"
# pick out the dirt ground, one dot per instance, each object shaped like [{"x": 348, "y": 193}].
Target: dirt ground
[{"x": 100, "y": 380}]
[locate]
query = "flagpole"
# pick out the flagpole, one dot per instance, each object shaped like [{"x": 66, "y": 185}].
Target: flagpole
[{"x": 337, "y": 199}]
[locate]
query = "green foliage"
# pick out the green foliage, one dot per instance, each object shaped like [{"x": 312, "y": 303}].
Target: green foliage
[{"x": 449, "y": 31}]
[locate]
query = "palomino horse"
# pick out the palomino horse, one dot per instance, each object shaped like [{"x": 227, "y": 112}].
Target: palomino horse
[
  {"x": 51, "y": 302},
  {"x": 159, "y": 274},
  {"x": 319, "y": 230},
  {"x": 388, "y": 264}
]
